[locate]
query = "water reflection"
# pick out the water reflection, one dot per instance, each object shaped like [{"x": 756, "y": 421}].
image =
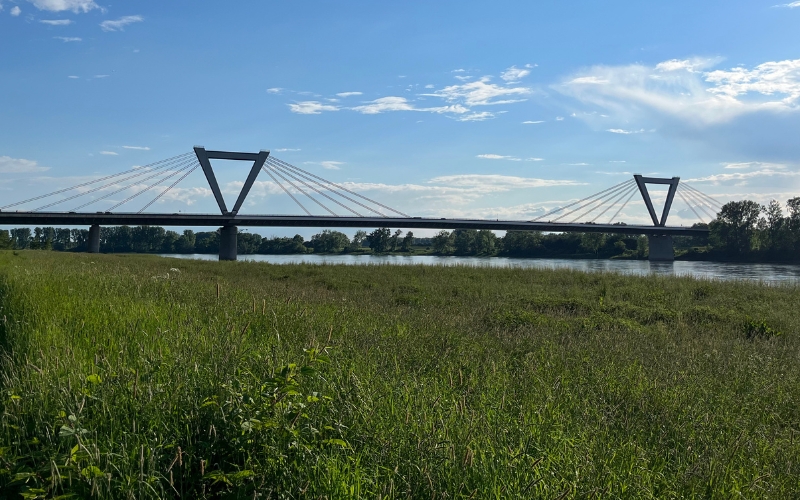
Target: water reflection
[{"x": 767, "y": 273}]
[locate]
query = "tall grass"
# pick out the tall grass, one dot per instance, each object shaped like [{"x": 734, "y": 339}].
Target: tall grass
[{"x": 143, "y": 377}]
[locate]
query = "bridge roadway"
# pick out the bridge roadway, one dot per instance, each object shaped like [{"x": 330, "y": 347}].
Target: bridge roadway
[{"x": 213, "y": 220}]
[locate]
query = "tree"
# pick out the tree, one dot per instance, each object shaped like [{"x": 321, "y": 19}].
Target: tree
[
  {"x": 443, "y": 243},
  {"x": 6, "y": 243},
  {"x": 735, "y": 227},
  {"x": 379, "y": 239},
  {"x": 592, "y": 242},
  {"x": 486, "y": 242},
  {"x": 358, "y": 241},
  {"x": 329, "y": 241},
  {"x": 407, "y": 242},
  {"x": 394, "y": 240},
  {"x": 186, "y": 242},
  {"x": 21, "y": 237}
]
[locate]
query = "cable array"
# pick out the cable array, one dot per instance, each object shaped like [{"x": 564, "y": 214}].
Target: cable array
[
  {"x": 593, "y": 207},
  {"x": 136, "y": 178},
  {"x": 333, "y": 192}
]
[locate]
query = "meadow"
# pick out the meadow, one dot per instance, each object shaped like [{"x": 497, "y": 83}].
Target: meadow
[{"x": 136, "y": 376}]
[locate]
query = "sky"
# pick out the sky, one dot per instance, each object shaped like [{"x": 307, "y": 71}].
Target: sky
[{"x": 445, "y": 109}]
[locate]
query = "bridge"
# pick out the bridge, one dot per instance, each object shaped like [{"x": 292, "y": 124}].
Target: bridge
[{"x": 296, "y": 181}]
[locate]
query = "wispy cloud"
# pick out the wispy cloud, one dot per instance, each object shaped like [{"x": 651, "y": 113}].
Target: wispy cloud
[
  {"x": 742, "y": 177},
  {"x": 68, "y": 38},
  {"x": 110, "y": 153},
  {"x": 499, "y": 182},
  {"x": 459, "y": 100},
  {"x": 754, "y": 164},
  {"x": 280, "y": 150},
  {"x": 498, "y": 157},
  {"x": 73, "y": 77},
  {"x": 311, "y": 107},
  {"x": 119, "y": 24},
  {"x": 56, "y": 22},
  {"x": 101, "y": 76},
  {"x": 10, "y": 165},
  {"x": 15, "y": 11},
  {"x": 275, "y": 90},
  {"x": 625, "y": 132},
  {"x": 514, "y": 74},
  {"x": 684, "y": 89},
  {"x": 139, "y": 148},
  {"x": 792, "y": 5},
  {"x": 532, "y": 122},
  {"x": 76, "y": 6},
  {"x": 328, "y": 164}
]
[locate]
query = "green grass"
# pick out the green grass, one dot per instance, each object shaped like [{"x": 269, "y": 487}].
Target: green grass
[{"x": 123, "y": 378}]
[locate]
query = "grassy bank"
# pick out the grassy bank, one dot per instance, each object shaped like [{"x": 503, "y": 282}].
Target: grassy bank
[{"x": 138, "y": 376}]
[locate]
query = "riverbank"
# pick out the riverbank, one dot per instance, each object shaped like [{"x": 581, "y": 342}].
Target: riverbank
[{"x": 158, "y": 377}]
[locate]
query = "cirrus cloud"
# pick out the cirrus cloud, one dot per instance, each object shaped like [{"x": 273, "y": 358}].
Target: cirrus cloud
[
  {"x": 76, "y": 6},
  {"x": 119, "y": 24},
  {"x": 10, "y": 165}
]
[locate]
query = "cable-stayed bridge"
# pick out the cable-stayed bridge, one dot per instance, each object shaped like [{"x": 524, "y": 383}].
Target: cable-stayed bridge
[{"x": 335, "y": 205}]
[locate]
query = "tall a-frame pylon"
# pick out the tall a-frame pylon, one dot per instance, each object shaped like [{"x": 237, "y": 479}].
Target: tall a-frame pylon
[
  {"x": 660, "y": 246},
  {"x": 673, "y": 187},
  {"x": 204, "y": 158}
]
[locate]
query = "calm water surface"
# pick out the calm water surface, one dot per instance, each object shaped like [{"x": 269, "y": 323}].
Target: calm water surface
[{"x": 767, "y": 273}]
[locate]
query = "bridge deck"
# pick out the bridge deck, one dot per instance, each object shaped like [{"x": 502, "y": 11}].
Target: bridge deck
[{"x": 213, "y": 220}]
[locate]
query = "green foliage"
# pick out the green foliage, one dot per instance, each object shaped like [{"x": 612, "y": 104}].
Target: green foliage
[
  {"x": 123, "y": 378},
  {"x": 329, "y": 241},
  {"x": 380, "y": 240}
]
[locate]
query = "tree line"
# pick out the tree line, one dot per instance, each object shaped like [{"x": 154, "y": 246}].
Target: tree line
[{"x": 742, "y": 230}]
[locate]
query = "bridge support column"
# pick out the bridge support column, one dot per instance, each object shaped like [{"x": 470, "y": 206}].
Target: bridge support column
[
  {"x": 94, "y": 238},
  {"x": 227, "y": 242},
  {"x": 660, "y": 247}
]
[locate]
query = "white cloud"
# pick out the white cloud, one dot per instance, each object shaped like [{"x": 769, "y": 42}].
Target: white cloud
[
  {"x": 623, "y": 131},
  {"x": 514, "y": 74},
  {"x": 15, "y": 11},
  {"x": 311, "y": 107},
  {"x": 62, "y": 5},
  {"x": 499, "y": 182},
  {"x": 460, "y": 70},
  {"x": 140, "y": 148},
  {"x": 754, "y": 164},
  {"x": 430, "y": 86},
  {"x": 791, "y": 5},
  {"x": 73, "y": 77},
  {"x": 582, "y": 164},
  {"x": 56, "y": 22},
  {"x": 559, "y": 118},
  {"x": 275, "y": 90},
  {"x": 531, "y": 122},
  {"x": 68, "y": 38},
  {"x": 119, "y": 24},
  {"x": 394, "y": 103},
  {"x": 480, "y": 93},
  {"x": 280, "y": 150},
  {"x": 10, "y": 165},
  {"x": 101, "y": 76},
  {"x": 476, "y": 117},
  {"x": 691, "y": 65},
  {"x": 742, "y": 177},
  {"x": 328, "y": 164},
  {"x": 111, "y": 153},
  {"x": 534, "y": 159},
  {"x": 497, "y": 157},
  {"x": 680, "y": 88},
  {"x": 348, "y": 94}
]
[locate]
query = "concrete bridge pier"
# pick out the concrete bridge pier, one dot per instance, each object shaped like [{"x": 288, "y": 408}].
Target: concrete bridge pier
[
  {"x": 228, "y": 236},
  {"x": 94, "y": 238},
  {"x": 661, "y": 248}
]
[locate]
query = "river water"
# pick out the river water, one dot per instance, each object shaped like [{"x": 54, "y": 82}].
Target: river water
[{"x": 767, "y": 273}]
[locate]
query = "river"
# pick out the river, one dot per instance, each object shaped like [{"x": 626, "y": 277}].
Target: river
[{"x": 767, "y": 273}]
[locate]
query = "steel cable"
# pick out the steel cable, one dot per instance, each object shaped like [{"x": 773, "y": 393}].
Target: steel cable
[
  {"x": 295, "y": 177},
  {"x": 623, "y": 206},
  {"x": 712, "y": 202},
  {"x": 279, "y": 174},
  {"x": 615, "y": 189},
  {"x": 617, "y": 200},
  {"x": 95, "y": 181},
  {"x": 285, "y": 190},
  {"x": 346, "y": 190},
  {"x": 691, "y": 207},
  {"x": 151, "y": 186},
  {"x": 551, "y": 212},
  {"x": 297, "y": 170},
  {"x": 700, "y": 204},
  {"x": 168, "y": 188},
  {"x": 608, "y": 198},
  {"x": 156, "y": 174},
  {"x": 141, "y": 171}
]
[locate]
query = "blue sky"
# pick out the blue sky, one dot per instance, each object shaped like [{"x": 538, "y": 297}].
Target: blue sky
[{"x": 451, "y": 109}]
